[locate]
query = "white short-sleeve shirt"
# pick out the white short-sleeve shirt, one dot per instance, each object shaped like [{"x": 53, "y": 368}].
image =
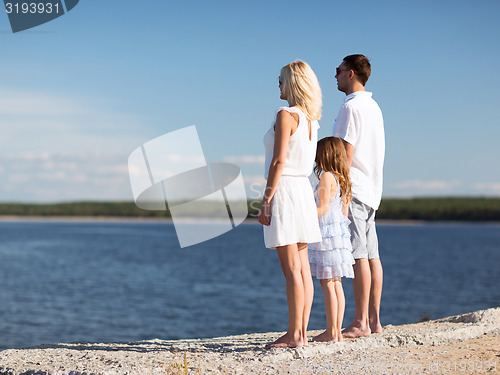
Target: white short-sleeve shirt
[{"x": 361, "y": 124}]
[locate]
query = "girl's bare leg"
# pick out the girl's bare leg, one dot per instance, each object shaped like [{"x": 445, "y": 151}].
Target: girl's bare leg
[
  {"x": 331, "y": 308},
  {"x": 291, "y": 266},
  {"x": 308, "y": 289},
  {"x": 339, "y": 292}
]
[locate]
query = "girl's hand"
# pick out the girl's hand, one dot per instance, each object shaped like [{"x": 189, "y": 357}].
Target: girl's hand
[
  {"x": 345, "y": 209},
  {"x": 265, "y": 213}
]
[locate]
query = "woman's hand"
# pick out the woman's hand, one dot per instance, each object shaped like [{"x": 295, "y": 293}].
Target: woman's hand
[
  {"x": 285, "y": 125},
  {"x": 265, "y": 213}
]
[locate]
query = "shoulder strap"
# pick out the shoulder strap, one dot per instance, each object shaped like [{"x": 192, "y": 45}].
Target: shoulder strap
[
  {"x": 338, "y": 186},
  {"x": 292, "y": 110}
]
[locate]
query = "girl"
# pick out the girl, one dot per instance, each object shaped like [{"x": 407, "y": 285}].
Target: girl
[
  {"x": 288, "y": 212},
  {"x": 332, "y": 258}
]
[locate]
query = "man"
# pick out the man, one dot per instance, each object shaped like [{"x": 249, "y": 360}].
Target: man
[{"x": 360, "y": 124}]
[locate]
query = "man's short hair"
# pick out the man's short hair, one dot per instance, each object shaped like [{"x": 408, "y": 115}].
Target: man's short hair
[{"x": 361, "y": 66}]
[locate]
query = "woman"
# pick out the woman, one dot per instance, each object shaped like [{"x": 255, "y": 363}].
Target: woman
[{"x": 288, "y": 210}]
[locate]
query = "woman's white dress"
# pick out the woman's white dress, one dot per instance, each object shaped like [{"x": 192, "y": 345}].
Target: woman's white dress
[{"x": 294, "y": 217}]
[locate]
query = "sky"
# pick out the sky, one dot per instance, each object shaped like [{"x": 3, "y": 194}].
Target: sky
[{"x": 80, "y": 93}]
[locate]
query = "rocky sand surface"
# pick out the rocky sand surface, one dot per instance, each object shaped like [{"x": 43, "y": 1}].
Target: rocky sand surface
[{"x": 463, "y": 344}]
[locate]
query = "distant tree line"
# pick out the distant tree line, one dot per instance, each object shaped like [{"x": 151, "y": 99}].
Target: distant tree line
[
  {"x": 113, "y": 209},
  {"x": 456, "y": 209},
  {"x": 431, "y": 209},
  {"x": 434, "y": 209}
]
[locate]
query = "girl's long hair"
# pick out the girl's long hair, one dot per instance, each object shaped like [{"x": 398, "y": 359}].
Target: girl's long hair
[
  {"x": 331, "y": 157},
  {"x": 301, "y": 88}
]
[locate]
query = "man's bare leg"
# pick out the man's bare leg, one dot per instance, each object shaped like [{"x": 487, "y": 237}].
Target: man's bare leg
[
  {"x": 377, "y": 275},
  {"x": 362, "y": 285}
]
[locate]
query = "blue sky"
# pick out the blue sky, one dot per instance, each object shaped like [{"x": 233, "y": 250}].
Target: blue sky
[{"x": 80, "y": 93}]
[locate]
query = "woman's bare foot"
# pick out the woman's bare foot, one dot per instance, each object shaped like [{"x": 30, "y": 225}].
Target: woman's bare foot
[
  {"x": 325, "y": 336},
  {"x": 354, "y": 331},
  {"x": 286, "y": 341},
  {"x": 376, "y": 328},
  {"x": 340, "y": 338}
]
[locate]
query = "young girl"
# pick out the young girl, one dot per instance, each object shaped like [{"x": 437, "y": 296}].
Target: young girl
[{"x": 332, "y": 259}]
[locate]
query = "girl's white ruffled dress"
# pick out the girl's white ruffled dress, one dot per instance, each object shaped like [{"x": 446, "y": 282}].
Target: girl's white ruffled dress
[{"x": 332, "y": 257}]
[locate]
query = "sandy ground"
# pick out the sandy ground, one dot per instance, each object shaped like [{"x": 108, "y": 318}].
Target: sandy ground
[{"x": 464, "y": 344}]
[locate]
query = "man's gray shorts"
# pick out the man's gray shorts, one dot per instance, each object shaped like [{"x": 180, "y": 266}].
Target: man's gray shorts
[{"x": 363, "y": 232}]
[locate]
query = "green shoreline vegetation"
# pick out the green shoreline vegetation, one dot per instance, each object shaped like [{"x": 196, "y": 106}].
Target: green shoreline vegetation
[{"x": 426, "y": 209}]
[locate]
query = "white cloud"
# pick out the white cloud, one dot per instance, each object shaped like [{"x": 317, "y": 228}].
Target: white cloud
[
  {"x": 17, "y": 179},
  {"x": 64, "y": 176},
  {"x": 245, "y": 159},
  {"x": 487, "y": 188},
  {"x": 414, "y": 188},
  {"x": 14, "y": 102},
  {"x": 419, "y": 188},
  {"x": 54, "y": 176},
  {"x": 25, "y": 156},
  {"x": 419, "y": 185},
  {"x": 49, "y": 123}
]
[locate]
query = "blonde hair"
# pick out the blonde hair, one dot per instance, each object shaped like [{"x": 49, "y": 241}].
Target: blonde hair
[
  {"x": 301, "y": 88},
  {"x": 332, "y": 157}
]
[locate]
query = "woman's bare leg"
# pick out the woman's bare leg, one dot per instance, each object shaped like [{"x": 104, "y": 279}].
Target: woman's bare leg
[
  {"x": 308, "y": 289},
  {"x": 291, "y": 267}
]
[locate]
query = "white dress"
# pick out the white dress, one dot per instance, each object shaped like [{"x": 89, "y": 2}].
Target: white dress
[
  {"x": 332, "y": 257},
  {"x": 294, "y": 217}
]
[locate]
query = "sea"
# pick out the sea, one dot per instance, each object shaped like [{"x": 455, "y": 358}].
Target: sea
[{"x": 80, "y": 281}]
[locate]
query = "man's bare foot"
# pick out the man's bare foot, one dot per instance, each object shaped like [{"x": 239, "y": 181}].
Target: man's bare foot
[
  {"x": 352, "y": 332},
  {"x": 286, "y": 341},
  {"x": 325, "y": 336}
]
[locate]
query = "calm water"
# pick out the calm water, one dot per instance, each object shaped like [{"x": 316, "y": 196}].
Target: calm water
[{"x": 102, "y": 282}]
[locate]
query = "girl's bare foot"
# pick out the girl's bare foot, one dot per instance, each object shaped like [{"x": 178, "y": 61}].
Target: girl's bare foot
[
  {"x": 340, "y": 338},
  {"x": 305, "y": 342},
  {"x": 286, "y": 341},
  {"x": 325, "y": 336}
]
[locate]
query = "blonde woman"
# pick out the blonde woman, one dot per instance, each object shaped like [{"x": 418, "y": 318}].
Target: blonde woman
[{"x": 288, "y": 210}]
